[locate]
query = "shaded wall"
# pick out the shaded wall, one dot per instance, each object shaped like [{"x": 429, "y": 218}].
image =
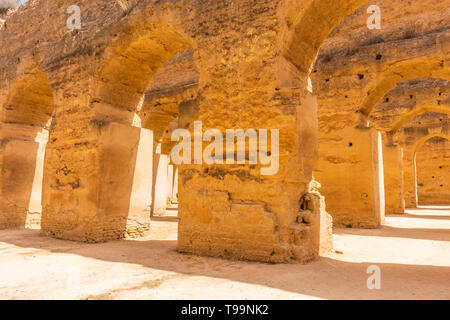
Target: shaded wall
[{"x": 433, "y": 172}]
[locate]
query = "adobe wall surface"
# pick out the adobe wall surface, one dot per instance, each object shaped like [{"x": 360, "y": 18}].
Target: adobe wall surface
[
  {"x": 433, "y": 172},
  {"x": 411, "y": 138},
  {"x": 252, "y": 61},
  {"x": 378, "y": 78},
  {"x": 405, "y": 114},
  {"x": 138, "y": 65}
]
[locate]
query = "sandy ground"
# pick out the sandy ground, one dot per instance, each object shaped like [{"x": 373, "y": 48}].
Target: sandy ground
[{"x": 412, "y": 251}]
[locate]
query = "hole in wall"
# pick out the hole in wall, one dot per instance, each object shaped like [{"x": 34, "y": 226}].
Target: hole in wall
[{"x": 306, "y": 203}]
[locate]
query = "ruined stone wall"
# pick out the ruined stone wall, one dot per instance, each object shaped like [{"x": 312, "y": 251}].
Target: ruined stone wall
[
  {"x": 433, "y": 172},
  {"x": 408, "y": 100},
  {"x": 355, "y": 71},
  {"x": 410, "y": 138},
  {"x": 253, "y": 60},
  {"x": 397, "y": 110},
  {"x": 231, "y": 64}
]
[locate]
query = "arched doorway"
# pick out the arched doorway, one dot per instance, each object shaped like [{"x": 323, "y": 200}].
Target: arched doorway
[{"x": 431, "y": 161}]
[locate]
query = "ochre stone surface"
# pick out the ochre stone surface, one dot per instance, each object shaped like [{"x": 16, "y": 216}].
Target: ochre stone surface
[
  {"x": 411, "y": 138},
  {"x": 382, "y": 79},
  {"x": 433, "y": 172},
  {"x": 393, "y": 179},
  {"x": 161, "y": 65},
  {"x": 252, "y": 66}
]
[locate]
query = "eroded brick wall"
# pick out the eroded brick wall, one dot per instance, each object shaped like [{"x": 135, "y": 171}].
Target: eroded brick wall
[{"x": 433, "y": 172}]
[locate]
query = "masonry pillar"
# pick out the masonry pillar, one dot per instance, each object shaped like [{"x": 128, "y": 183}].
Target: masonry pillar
[
  {"x": 350, "y": 170},
  {"x": 18, "y": 157},
  {"x": 141, "y": 193},
  {"x": 409, "y": 178},
  {"x": 95, "y": 169},
  {"x": 393, "y": 179},
  {"x": 233, "y": 210}
]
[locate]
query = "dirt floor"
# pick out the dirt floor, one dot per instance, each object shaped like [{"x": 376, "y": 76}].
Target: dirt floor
[{"x": 412, "y": 251}]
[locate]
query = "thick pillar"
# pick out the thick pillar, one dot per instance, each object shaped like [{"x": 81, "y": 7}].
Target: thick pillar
[
  {"x": 233, "y": 210},
  {"x": 393, "y": 179},
  {"x": 94, "y": 158},
  {"x": 18, "y": 157},
  {"x": 350, "y": 169},
  {"x": 141, "y": 192},
  {"x": 122, "y": 163},
  {"x": 92, "y": 186},
  {"x": 433, "y": 174}
]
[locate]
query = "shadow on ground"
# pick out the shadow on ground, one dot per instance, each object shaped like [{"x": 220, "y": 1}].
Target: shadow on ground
[{"x": 331, "y": 277}]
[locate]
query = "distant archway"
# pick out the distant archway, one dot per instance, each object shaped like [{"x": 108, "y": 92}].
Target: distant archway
[
  {"x": 417, "y": 112},
  {"x": 402, "y": 71},
  {"x": 418, "y": 146}
]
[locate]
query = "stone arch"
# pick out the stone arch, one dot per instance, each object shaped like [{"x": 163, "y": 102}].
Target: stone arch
[
  {"x": 174, "y": 83},
  {"x": 349, "y": 68},
  {"x": 417, "y": 112},
  {"x": 24, "y": 124},
  {"x": 417, "y": 147},
  {"x": 110, "y": 178},
  {"x": 394, "y": 162},
  {"x": 310, "y": 23},
  {"x": 422, "y": 140},
  {"x": 122, "y": 95},
  {"x": 402, "y": 71},
  {"x": 407, "y": 100},
  {"x": 407, "y": 138},
  {"x": 129, "y": 65},
  {"x": 162, "y": 116},
  {"x": 30, "y": 101}
]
